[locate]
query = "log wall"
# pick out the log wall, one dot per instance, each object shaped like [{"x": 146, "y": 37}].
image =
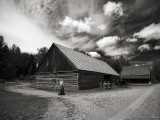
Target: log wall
[
  {"x": 89, "y": 80},
  {"x": 48, "y": 80},
  {"x": 72, "y": 80},
  {"x": 45, "y": 80},
  {"x": 137, "y": 80}
]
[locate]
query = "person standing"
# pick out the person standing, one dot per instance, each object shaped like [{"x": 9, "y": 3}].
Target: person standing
[{"x": 61, "y": 90}]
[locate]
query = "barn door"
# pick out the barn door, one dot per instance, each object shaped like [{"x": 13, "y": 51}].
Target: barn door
[{"x": 107, "y": 78}]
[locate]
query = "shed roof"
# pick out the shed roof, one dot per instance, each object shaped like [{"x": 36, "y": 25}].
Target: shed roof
[
  {"x": 135, "y": 70},
  {"x": 84, "y": 62}
]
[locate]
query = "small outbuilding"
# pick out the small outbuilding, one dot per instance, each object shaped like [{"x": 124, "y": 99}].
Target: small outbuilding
[
  {"x": 77, "y": 70},
  {"x": 136, "y": 74}
]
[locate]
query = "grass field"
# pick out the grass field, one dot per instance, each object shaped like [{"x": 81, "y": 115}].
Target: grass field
[{"x": 15, "y": 106}]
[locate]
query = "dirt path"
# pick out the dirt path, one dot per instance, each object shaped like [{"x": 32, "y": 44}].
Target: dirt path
[
  {"x": 24, "y": 89},
  {"x": 128, "y": 111},
  {"x": 58, "y": 107},
  {"x": 114, "y": 105},
  {"x": 138, "y": 102}
]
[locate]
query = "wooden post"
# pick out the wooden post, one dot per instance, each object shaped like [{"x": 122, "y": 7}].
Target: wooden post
[{"x": 150, "y": 74}]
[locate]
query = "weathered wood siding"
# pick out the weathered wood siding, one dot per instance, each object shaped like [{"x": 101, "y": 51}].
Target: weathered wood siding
[
  {"x": 88, "y": 80},
  {"x": 70, "y": 80},
  {"x": 55, "y": 61},
  {"x": 44, "y": 80},
  {"x": 135, "y": 76},
  {"x": 137, "y": 80}
]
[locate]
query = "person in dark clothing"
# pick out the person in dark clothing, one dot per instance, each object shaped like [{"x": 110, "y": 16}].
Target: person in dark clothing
[{"x": 61, "y": 88}]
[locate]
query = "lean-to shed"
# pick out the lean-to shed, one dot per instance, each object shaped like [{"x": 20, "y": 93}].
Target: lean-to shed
[{"x": 136, "y": 74}]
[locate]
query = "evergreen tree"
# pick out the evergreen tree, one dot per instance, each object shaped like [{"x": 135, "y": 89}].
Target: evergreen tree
[
  {"x": 40, "y": 55},
  {"x": 32, "y": 65},
  {"x": 4, "y": 55},
  {"x": 117, "y": 64},
  {"x": 13, "y": 63}
]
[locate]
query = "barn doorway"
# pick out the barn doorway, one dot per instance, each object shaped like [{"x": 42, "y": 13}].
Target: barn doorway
[{"x": 107, "y": 78}]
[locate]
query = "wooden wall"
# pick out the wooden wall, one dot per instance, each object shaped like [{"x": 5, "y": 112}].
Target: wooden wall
[
  {"x": 88, "y": 80},
  {"x": 55, "y": 61},
  {"x": 70, "y": 80},
  {"x": 44, "y": 80},
  {"x": 47, "y": 80},
  {"x": 137, "y": 80},
  {"x": 135, "y": 76}
]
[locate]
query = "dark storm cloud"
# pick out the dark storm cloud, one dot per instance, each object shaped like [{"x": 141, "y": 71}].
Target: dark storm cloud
[
  {"x": 84, "y": 23},
  {"x": 139, "y": 14}
]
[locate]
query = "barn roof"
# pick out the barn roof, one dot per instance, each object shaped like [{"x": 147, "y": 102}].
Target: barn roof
[
  {"x": 135, "y": 70},
  {"x": 84, "y": 62}
]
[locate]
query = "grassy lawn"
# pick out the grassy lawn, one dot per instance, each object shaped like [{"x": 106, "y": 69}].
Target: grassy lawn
[{"x": 14, "y": 106}]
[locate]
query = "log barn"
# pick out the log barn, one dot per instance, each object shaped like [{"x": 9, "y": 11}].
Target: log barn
[
  {"x": 136, "y": 74},
  {"x": 78, "y": 71}
]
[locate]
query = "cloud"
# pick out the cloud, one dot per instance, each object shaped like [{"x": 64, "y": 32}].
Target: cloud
[
  {"x": 108, "y": 45},
  {"x": 20, "y": 30},
  {"x": 88, "y": 25},
  {"x": 32, "y": 24},
  {"x": 80, "y": 26},
  {"x": 107, "y": 41},
  {"x": 88, "y": 46},
  {"x": 78, "y": 42},
  {"x": 113, "y": 51},
  {"x": 83, "y": 43},
  {"x": 157, "y": 47},
  {"x": 102, "y": 27},
  {"x": 131, "y": 40},
  {"x": 144, "y": 47},
  {"x": 150, "y": 32},
  {"x": 113, "y": 9},
  {"x": 94, "y": 54},
  {"x": 80, "y": 9}
]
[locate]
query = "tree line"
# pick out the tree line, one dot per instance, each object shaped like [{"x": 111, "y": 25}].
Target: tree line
[{"x": 17, "y": 65}]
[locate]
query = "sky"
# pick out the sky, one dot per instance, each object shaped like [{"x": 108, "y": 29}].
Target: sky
[{"x": 114, "y": 27}]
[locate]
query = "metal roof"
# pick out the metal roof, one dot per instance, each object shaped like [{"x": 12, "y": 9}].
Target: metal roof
[
  {"x": 84, "y": 62},
  {"x": 136, "y": 70}
]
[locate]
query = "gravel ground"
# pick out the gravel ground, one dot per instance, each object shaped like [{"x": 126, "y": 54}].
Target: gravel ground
[{"x": 139, "y": 102}]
